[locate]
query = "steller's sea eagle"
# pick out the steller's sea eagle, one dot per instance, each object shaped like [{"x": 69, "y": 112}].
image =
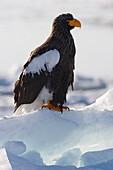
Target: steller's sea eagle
[{"x": 48, "y": 73}]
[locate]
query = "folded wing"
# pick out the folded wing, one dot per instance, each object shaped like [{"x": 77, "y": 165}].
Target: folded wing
[{"x": 34, "y": 77}]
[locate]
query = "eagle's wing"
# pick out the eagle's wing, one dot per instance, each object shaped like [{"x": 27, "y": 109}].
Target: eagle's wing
[{"x": 34, "y": 77}]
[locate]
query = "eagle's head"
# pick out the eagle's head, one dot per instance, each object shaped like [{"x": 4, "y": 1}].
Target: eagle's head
[{"x": 65, "y": 22}]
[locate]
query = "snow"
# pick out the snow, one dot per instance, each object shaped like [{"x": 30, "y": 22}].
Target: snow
[
  {"x": 15, "y": 147},
  {"x": 90, "y": 83},
  {"x": 70, "y": 157},
  {"x": 51, "y": 133},
  {"x": 4, "y": 162},
  {"x": 9, "y": 161},
  {"x": 96, "y": 157},
  {"x": 39, "y": 63},
  {"x": 46, "y": 137},
  {"x": 33, "y": 157},
  {"x": 104, "y": 166},
  {"x": 104, "y": 102},
  {"x": 16, "y": 162}
]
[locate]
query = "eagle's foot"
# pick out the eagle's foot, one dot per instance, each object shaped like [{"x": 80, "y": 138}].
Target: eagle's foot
[
  {"x": 63, "y": 108},
  {"x": 51, "y": 107},
  {"x": 57, "y": 108}
]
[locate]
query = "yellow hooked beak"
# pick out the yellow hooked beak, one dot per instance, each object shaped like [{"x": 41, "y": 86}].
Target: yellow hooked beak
[{"x": 74, "y": 23}]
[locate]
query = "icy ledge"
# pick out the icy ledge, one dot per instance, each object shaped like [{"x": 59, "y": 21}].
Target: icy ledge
[
  {"x": 8, "y": 161},
  {"x": 52, "y": 134},
  {"x": 104, "y": 102}
]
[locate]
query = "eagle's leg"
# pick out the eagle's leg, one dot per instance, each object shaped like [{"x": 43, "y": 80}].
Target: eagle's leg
[{"x": 56, "y": 108}]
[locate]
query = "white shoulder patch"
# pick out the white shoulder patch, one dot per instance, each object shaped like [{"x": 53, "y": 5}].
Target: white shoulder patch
[{"x": 50, "y": 59}]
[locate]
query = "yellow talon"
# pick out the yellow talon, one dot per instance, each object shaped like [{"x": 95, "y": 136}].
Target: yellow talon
[
  {"x": 58, "y": 108},
  {"x": 50, "y": 106}
]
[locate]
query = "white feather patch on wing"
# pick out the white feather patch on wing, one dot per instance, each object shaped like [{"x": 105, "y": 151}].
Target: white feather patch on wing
[{"x": 50, "y": 59}]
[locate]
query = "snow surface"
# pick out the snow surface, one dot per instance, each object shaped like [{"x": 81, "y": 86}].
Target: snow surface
[
  {"x": 104, "y": 102},
  {"x": 39, "y": 63},
  {"x": 96, "y": 157},
  {"x": 4, "y": 161},
  {"x": 51, "y": 133},
  {"x": 15, "y": 162},
  {"x": 104, "y": 166},
  {"x": 9, "y": 161},
  {"x": 33, "y": 157},
  {"x": 90, "y": 83},
  {"x": 15, "y": 147},
  {"x": 70, "y": 157}
]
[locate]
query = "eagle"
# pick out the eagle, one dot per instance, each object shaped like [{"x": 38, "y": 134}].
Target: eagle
[{"x": 49, "y": 71}]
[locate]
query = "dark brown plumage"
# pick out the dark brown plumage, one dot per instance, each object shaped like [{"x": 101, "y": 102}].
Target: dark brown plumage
[{"x": 61, "y": 76}]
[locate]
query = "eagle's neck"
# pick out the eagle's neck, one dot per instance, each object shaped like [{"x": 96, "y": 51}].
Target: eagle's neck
[
  {"x": 61, "y": 34},
  {"x": 64, "y": 42}
]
